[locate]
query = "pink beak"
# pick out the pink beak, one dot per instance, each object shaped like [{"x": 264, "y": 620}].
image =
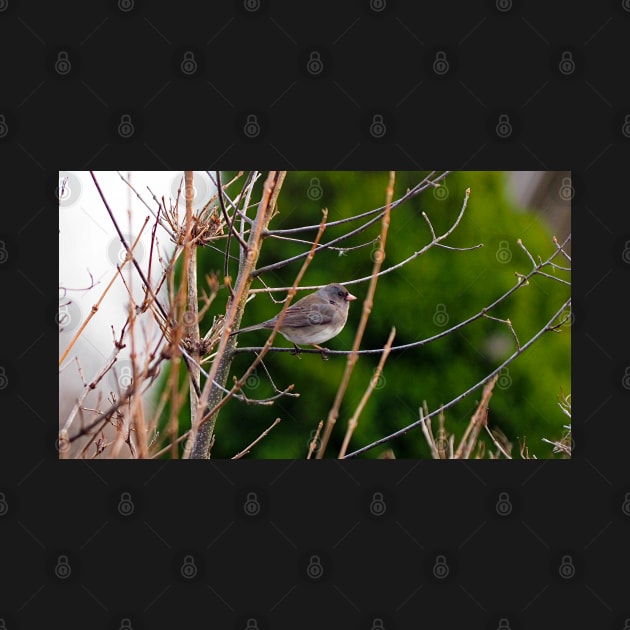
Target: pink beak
[{"x": 350, "y": 297}]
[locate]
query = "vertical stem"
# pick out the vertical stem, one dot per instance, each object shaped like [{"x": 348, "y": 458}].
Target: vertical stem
[
  {"x": 379, "y": 257},
  {"x": 213, "y": 393},
  {"x": 191, "y": 316}
]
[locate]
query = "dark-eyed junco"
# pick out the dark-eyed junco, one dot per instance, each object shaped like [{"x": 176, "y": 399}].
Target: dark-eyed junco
[{"x": 314, "y": 319}]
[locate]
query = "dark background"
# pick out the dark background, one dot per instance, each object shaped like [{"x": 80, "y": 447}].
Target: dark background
[{"x": 72, "y": 556}]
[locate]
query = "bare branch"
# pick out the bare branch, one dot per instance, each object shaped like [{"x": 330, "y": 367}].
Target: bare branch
[
  {"x": 260, "y": 437},
  {"x": 204, "y": 428},
  {"x": 354, "y": 420},
  {"x": 546, "y": 328},
  {"x": 343, "y": 237},
  {"x": 379, "y": 257}
]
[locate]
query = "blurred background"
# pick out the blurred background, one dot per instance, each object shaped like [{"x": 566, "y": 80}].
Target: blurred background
[{"x": 426, "y": 296}]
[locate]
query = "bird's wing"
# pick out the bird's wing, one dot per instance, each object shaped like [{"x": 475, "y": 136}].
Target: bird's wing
[{"x": 297, "y": 316}]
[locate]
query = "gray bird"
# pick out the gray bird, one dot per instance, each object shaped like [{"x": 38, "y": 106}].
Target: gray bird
[{"x": 314, "y": 319}]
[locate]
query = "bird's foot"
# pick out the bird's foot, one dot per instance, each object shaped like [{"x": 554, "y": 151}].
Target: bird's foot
[
  {"x": 296, "y": 351},
  {"x": 323, "y": 352}
]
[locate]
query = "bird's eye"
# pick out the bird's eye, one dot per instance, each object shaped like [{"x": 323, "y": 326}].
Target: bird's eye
[{"x": 341, "y": 294}]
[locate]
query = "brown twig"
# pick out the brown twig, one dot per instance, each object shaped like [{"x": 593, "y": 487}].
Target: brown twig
[
  {"x": 379, "y": 257},
  {"x": 415, "y": 344},
  {"x": 479, "y": 419},
  {"x": 548, "y": 327},
  {"x": 190, "y": 314},
  {"x": 238, "y": 384},
  {"x": 211, "y": 396},
  {"x": 354, "y": 420},
  {"x": 496, "y": 443},
  {"x": 123, "y": 240},
  {"x": 313, "y": 444},
  {"x": 425, "y": 424},
  {"x": 96, "y": 306},
  {"x": 260, "y": 437}
]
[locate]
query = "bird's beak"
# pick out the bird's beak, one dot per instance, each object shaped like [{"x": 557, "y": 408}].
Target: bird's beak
[{"x": 350, "y": 297}]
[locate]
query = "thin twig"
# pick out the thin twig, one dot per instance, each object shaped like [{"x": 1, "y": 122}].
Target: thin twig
[
  {"x": 546, "y": 328},
  {"x": 354, "y": 420},
  {"x": 238, "y": 384},
  {"x": 203, "y": 429},
  {"x": 96, "y": 306},
  {"x": 426, "y": 183},
  {"x": 436, "y": 241},
  {"x": 482, "y": 313},
  {"x": 229, "y": 221},
  {"x": 480, "y": 417},
  {"x": 379, "y": 257},
  {"x": 425, "y": 424},
  {"x": 323, "y": 246},
  {"x": 260, "y": 437},
  {"x": 167, "y": 448},
  {"x": 496, "y": 443},
  {"x": 313, "y": 444},
  {"x": 123, "y": 240}
]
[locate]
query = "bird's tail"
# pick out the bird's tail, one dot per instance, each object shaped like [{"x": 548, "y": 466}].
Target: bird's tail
[{"x": 242, "y": 330}]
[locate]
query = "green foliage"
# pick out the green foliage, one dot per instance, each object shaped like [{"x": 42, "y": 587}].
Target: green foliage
[{"x": 416, "y": 299}]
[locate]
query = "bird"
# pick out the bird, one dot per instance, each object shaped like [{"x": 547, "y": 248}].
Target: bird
[{"x": 314, "y": 319}]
